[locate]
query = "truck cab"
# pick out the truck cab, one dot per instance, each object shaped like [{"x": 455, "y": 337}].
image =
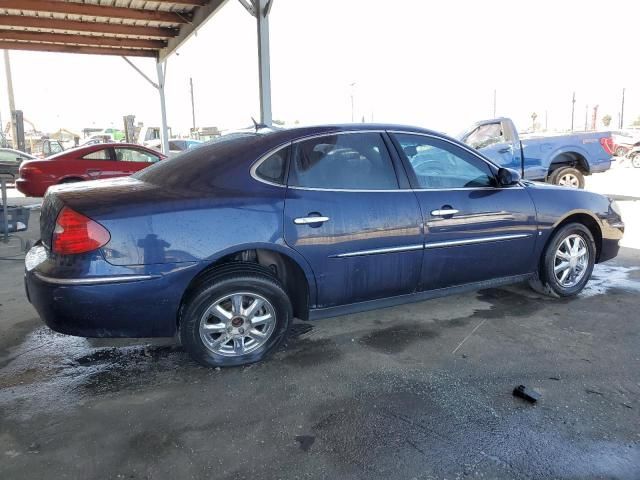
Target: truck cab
[{"x": 558, "y": 159}]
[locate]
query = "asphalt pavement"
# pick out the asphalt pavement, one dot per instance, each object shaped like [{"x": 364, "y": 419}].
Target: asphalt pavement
[{"x": 420, "y": 391}]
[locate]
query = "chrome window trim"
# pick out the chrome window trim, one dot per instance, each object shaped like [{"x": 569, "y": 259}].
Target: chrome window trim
[
  {"x": 93, "y": 280},
  {"x": 471, "y": 241},
  {"x": 376, "y": 251},
  {"x": 290, "y": 143}
]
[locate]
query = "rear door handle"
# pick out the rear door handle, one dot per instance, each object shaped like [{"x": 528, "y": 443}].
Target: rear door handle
[
  {"x": 444, "y": 212},
  {"x": 310, "y": 220},
  {"x": 92, "y": 172}
]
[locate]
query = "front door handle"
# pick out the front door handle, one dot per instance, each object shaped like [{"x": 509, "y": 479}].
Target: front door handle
[
  {"x": 445, "y": 212},
  {"x": 310, "y": 220},
  {"x": 505, "y": 150},
  {"x": 92, "y": 172}
]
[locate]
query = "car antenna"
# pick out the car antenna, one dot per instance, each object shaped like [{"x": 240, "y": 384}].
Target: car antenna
[{"x": 257, "y": 125}]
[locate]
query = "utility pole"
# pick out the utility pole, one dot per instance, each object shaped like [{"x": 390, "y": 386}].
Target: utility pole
[
  {"x": 12, "y": 104},
  {"x": 546, "y": 120},
  {"x": 193, "y": 108},
  {"x": 494, "y": 102},
  {"x": 573, "y": 109},
  {"x": 586, "y": 117},
  {"x": 352, "y": 85},
  {"x": 622, "y": 110}
]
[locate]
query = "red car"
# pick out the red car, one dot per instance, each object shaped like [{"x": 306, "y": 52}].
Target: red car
[{"x": 105, "y": 160}]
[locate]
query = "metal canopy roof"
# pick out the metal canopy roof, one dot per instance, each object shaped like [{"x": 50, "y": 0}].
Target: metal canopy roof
[{"x": 140, "y": 28}]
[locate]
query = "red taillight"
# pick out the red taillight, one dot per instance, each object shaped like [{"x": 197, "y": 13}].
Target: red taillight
[
  {"x": 607, "y": 145},
  {"x": 28, "y": 170},
  {"x": 74, "y": 233}
]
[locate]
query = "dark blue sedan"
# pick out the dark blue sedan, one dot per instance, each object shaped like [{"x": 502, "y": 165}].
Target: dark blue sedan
[{"x": 226, "y": 243}]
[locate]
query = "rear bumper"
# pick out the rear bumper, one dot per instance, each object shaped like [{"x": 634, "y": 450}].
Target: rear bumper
[
  {"x": 142, "y": 305},
  {"x": 29, "y": 189},
  {"x": 602, "y": 165}
]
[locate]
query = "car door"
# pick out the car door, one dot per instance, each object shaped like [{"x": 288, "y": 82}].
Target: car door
[
  {"x": 98, "y": 163},
  {"x": 131, "y": 159},
  {"x": 474, "y": 230},
  {"x": 496, "y": 141},
  {"x": 345, "y": 213}
]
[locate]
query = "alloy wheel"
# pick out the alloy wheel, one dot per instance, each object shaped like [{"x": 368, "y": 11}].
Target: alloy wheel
[
  {"x": 571, "y": 261},
  {"x": 569, "y": 180},
  {"x": 237, "y": 324}
]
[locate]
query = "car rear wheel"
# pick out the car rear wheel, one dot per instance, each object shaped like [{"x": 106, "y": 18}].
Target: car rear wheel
[
  {"x": 635, "y": 160},
  {"x": 620, "y": 151},
  {"x": 71, "y": 180},
  {"x": 567, "y": 262},
  {"x": 567, "y": 177},
  {"x": 235, "y": 319}
]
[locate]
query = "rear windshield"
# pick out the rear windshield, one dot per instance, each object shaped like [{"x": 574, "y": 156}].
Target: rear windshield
[{"x": 200, "y": 166}]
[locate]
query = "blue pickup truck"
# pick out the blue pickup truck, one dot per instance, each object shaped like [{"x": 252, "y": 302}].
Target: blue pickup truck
[{"x": 559, "y": 159}]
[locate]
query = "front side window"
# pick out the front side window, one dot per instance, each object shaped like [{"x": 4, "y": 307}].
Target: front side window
[
  {"x": 485, "y": 135},
  {"x": 438, "y": 164},
  {"x": 358, "y": 161},
  {"x": 134, "y": 155},
  {"x": 98, "y": 155}
]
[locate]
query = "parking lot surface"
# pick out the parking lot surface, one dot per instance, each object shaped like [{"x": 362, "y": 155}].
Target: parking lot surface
[{"x": 418, "y": 391}]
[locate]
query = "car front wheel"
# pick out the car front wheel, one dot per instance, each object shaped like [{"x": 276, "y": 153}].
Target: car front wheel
[
  {"x": 567, "y": 261},
  {"x": 235, "y": 319}
]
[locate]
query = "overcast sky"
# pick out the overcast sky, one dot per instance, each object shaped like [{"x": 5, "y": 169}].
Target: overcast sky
[{"x": 433, "y": 64}]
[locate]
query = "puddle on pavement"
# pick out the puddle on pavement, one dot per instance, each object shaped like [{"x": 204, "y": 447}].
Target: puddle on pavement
[
  {"x": 396, "y": 338},
  {"x": 55, "y": 370},
  {"x": 606, "y": 277}
]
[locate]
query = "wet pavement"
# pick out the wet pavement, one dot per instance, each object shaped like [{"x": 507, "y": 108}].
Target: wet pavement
[{"x": 419, "y": 391}]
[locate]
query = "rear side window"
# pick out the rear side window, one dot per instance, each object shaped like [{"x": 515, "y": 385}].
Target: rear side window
[
  {"x": 98, "y": 155},
  {"x": 273, "y": 169},
  {"x": 354, "y": 161},
  {"x": 134, "y": 155}
]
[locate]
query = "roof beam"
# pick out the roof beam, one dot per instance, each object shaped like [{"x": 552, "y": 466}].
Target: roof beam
[
  {"x": 194, "y": 3},
  {"x": 54, "y": 47},
  {"x": 200, "y": 17},
  {"x": 23, "y": 35},
  {"x": 79, "y": 26},
  {"x": 84, "y": 26},
  {"x": 93, "y": 10}
]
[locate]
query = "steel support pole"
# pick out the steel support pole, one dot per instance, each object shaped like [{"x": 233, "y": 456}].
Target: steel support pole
[
  {"x": 161, "y": 69},
  {"x": 12, "y": 104},
  {"x": 262, "y": 8}
]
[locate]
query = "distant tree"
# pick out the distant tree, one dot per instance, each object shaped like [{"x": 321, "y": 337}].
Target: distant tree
[
  {"x": 297, "y": 122},
  {"x": 636, "y": 122},
  {"x": 278, "y": 122},
  {"x": 606, "y": 120},
  {"x": 534, "y": 115}
]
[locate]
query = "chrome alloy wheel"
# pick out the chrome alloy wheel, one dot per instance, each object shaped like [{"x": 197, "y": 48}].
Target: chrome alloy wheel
[
  {"x": 571, "y": 261},
  {"x": 237, "y": 324},
  {"x": 569, "y": 180}
]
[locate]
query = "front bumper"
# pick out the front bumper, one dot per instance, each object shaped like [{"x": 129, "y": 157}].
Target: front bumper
[{"x": 142, "y": 304}]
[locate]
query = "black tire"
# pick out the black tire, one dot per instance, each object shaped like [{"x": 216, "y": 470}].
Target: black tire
[
  {"x": 546, "y": 281},
  {"x": 620, "y": 152},
  {"x": 635, "y": 160},
  {"x": 562, "y": 173},
  {"x": 250, "y": 279}
]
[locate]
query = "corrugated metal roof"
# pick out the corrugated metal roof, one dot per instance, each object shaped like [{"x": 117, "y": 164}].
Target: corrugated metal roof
[{"x": 108, "y": 27}]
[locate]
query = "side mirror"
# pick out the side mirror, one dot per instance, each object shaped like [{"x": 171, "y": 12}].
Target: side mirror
[{"x": 507, "y": 177}]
